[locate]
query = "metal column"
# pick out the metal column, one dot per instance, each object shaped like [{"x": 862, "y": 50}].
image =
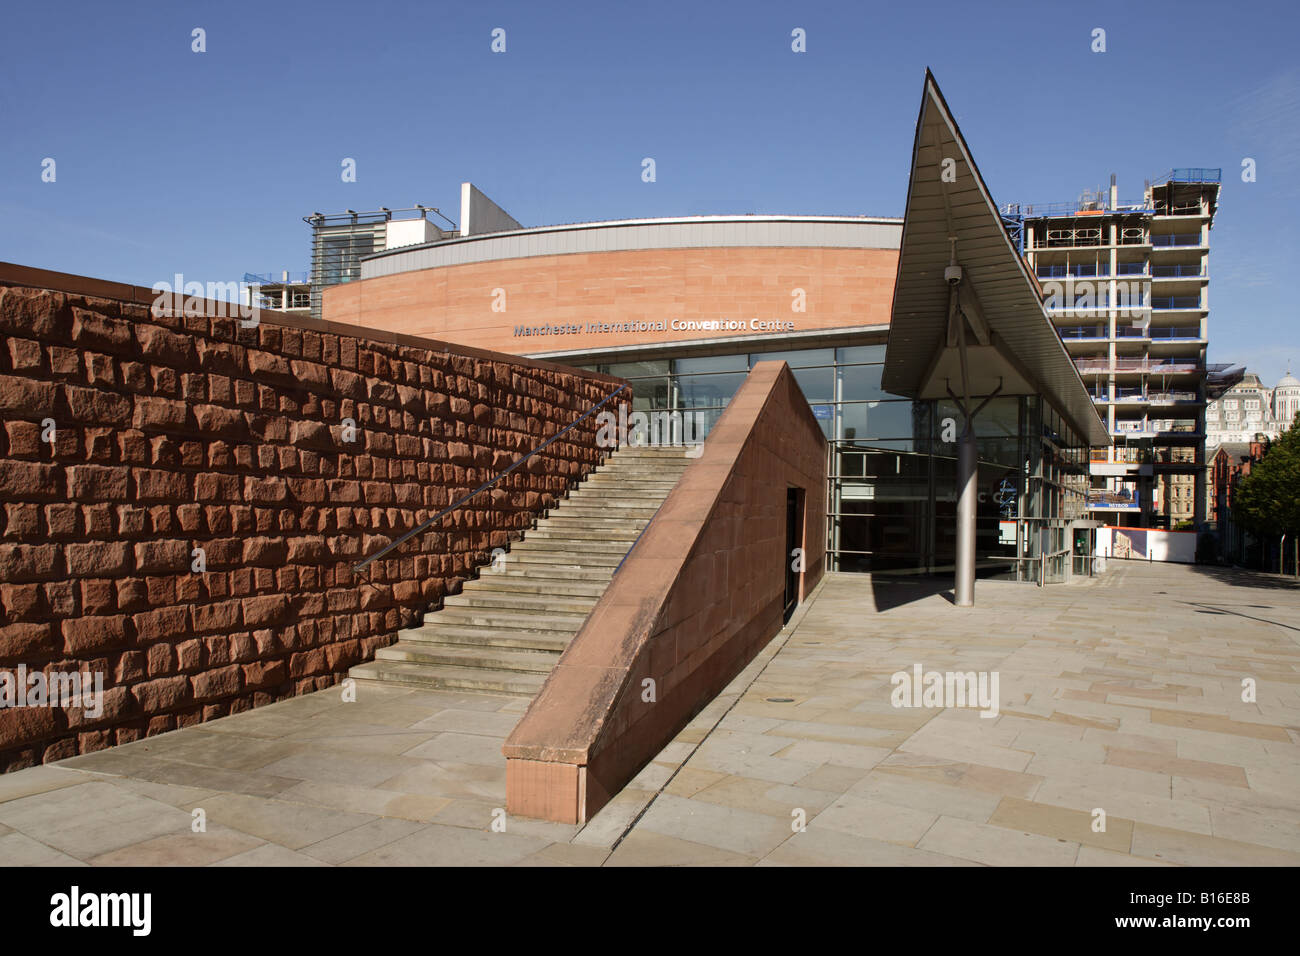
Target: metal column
[{"x": 964, "y": 583}]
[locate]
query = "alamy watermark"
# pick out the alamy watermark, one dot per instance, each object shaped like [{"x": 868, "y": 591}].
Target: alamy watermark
[
  {"x": 23, "y": 688},
  {"x": 947, "y": 689},
  {"x": 1083, "y": 297},
  {"x": 221, "y": 299},
  {"x": 133, "y": 911},
  {"x": 657, "y": 428}
]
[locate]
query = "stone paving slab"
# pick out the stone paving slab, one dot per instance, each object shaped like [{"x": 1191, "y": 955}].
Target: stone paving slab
[{"x": 1121, "y": 694}]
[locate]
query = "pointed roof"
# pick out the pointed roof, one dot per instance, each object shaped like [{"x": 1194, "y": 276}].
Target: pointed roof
[{"x": 1018, "y": 347}]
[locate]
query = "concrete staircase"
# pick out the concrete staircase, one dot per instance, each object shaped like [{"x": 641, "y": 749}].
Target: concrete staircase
[{"x": 506, "y": 629}]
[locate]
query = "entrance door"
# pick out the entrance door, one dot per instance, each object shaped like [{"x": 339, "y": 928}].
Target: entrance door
[
  {"x": 1084, "y": 548},
  {"x": 793, "y": 541}
]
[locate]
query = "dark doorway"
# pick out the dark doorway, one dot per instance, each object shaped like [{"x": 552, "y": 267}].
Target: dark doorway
[{"x": 794, "y": 555}]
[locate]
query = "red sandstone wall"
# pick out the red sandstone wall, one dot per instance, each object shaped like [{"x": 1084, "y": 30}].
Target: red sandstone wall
[
  {"x": 844, "y": 287},
  {"x": 176, "y": 433},
  {"x": 698, "y": 597}
]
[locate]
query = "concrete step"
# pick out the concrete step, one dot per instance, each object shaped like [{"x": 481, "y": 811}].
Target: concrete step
[
  {"x": 634, "y": 480},
  {"x": 613, "y": 502},
  {"x": 553, "y": 572},
  {"x": 589, "y": 509},
  {"x": 484, "y": 657},
  {"x": 635, "y": 469},
  {"x": 558, "y": 521},
  {"x": 449, "y": 634},
  {"x": 562, "y": 533},
  {"x": 571, "y": 560},
  {"x": 500, "y": 583},
  {"x": 591, "y": 546},
  {"x": 619, "y": 464},
  {"x": 551, "y": 604},
  {"x": 633, "y": 475},
  {"x": 508, "y": 683},
  {"x": 571, "y": 512},
  {"x": 671, "y": 452},
  {"x": 511, "y": 620}
]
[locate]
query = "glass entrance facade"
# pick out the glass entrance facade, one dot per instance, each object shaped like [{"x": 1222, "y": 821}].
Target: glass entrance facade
[{"x": 892, "y": 502}]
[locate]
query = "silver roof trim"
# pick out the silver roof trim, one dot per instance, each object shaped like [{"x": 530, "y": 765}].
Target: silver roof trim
[
  {"x": 782, "y": 342},
  {"x": 687, "y": 232}
]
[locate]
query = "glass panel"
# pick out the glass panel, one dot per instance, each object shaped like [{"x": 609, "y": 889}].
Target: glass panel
[
  {"x": 862, "y": 353},
  {"x": 858, "y": 382},
  {"x": 818, "y": 384},
  {"x": 650, "y": 393},
  {"x": 800, "y": 359},
  {"x": 706, "y": 390},
  {"x": 853, "y": 422},
  {"x": 633, "y": 370},
  {"x": 712, "y": 363},
  {"x": 872, "y": 420}
]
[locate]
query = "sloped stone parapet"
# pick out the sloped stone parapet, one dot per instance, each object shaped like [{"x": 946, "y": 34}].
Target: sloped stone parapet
[{"x": 698, "y": 596}]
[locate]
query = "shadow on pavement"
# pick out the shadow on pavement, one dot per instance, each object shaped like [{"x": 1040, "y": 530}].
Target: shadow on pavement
[{"x": 891, "y": 591}]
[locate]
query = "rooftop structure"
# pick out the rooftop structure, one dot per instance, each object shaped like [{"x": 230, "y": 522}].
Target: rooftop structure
[
  {"x": 285, "y": 292},
  {"x": 340, "y": 241}
]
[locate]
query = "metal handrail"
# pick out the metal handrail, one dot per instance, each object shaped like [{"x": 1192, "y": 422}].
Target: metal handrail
[{"x": 357, "y": 568}]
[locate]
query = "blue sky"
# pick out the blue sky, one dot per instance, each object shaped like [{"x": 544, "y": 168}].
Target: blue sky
[{"x": 174, "y": 161}]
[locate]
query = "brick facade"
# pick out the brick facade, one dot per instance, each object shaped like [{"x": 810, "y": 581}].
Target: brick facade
[
  {"x": 843, "y": 288},
  {"x": 172, "y": 434}
]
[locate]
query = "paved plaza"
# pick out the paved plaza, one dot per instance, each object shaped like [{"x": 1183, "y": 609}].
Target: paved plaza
[{"x": 1120, "y": 694}]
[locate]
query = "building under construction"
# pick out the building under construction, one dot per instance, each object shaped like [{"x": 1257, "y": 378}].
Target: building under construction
[{"x": 1127, "y": 284}]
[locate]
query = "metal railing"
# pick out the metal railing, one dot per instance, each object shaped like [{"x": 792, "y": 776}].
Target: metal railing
[
  {"x": 425, "y": 525},
  {"x": 1073, "y": 272},
  {"x": 1177, "y": 239},
  {"x": 1084, "y": 332},
  {"x": 1093, "y": 366},
  {"x": 1191, "y": 333},
  {"x": 1191, "y": 174},
  {"x": 1176, "y": 302},
  {"x": 1120, "y": 499},
  {"x": 1043, "y": 210},
  {"x": 1124, "y": 455},
  {"x": 271, "y": 278},
  {"x": 1177, "y": 272},
  {"x": 1180, "y": 209}
]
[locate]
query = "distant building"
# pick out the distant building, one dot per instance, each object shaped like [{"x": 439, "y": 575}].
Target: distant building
[
  {"x": 1286, "y": 400},
  {"x": 1127, "y": 284},
  {"x": 1250, "y": 409},
  {"x": 288, "y": 292},
  {"x": 1230, "y": 462}
]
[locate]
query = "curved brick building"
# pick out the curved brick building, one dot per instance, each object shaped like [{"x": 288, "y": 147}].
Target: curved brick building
[
  {"x": 591, "y": 287},
  {"x": 682, "y": 307}
]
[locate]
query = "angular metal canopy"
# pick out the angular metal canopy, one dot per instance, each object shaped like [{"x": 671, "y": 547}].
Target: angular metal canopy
[{"x": 1011, "y": 344}]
